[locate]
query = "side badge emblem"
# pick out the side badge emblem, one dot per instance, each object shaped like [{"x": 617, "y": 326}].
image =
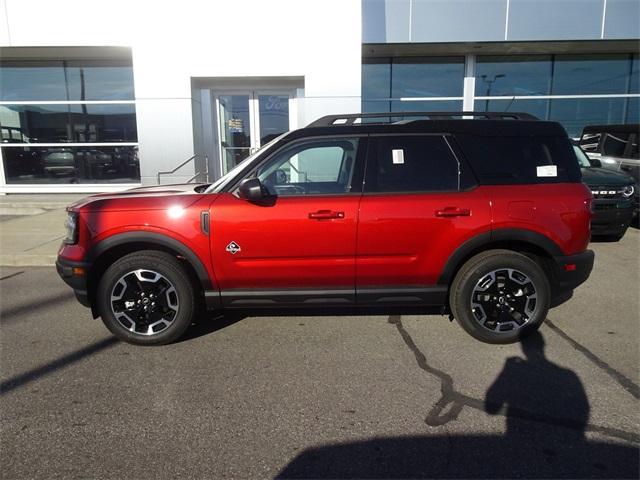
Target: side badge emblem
[{"x": 233, "y": 248}]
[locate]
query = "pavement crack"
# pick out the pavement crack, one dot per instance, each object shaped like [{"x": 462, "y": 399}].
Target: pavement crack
[
  {"x": 6, "y": 277},
  {"x": 620, "y": 378},
  {"x": 455, "y": 401}
]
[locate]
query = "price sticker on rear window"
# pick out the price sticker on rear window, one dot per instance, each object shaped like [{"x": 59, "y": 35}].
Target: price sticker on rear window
[
  {"x": 397, "y": 156},
  {"x": 547, "y": 171}
]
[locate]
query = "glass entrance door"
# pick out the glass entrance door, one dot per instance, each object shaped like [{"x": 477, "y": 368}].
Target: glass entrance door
[{"x": 248, "y": 120}]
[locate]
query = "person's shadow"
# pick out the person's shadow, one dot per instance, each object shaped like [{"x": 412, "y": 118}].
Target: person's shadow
[{"x": 533, "y": 388}]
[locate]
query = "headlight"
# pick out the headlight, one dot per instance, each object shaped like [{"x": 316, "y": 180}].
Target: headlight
[
  {"x": 628, "y": 191},
  {"x": 71, "y": 226}
]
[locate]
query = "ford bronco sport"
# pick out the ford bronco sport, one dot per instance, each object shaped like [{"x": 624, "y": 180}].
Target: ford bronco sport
[{"x": 481, "y": 214}]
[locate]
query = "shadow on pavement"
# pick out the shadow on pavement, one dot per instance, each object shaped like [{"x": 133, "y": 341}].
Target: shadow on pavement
[{"x": 547, "y": 413}]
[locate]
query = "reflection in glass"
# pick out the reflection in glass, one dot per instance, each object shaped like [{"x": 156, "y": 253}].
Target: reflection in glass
[
  {"x": 376, "y": 79},
  {"x": 99, "y": 80},
  {"x": 35, "y": 123},
  {"x": 80, "y": 123},
  {"x": 427, "y": 77},
  {"x": 537, "y": 108},
  {"x": 32, "y": 80},
  {"x": 513, "y": 75},
  {"x": 574, "y": 114},
  {"x": 103, "y": 123},
  {"x": 235, "y": 129},
  {"x": 633, "y": 110},
  {"x": 62, "y": 80},
  {"x": 634, "y": 79},
  {"x": 274, "y": 116},
  {"x": 427, "y": 106},
  {"x": 590, "y": 74},
  {"x": 33, "y": 165}
]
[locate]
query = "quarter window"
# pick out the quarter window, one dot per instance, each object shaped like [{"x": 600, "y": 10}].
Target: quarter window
[{"x": 411, "y": 164}]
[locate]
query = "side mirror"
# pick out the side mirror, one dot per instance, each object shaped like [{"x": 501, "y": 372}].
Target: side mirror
[
  {"x": 252, "y": 190},
  {"x": 595, "y": 163}
]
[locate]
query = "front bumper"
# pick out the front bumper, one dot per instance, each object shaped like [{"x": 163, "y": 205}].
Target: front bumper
[
  {"x": 74, "y": 274},
  {"x": 611, "y": 217},
  {"x": 572, "y": 270}
]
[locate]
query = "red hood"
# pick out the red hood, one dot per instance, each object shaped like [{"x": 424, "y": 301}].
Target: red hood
[{"x": 141, "y": 198}]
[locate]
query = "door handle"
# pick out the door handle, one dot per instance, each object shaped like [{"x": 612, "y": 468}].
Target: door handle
[
  {"x": 325, "y": 215},
  {"x": 453, "y": 212}
]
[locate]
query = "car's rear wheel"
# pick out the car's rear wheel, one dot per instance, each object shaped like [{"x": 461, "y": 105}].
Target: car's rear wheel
[
  {"x": 500, "y": 296},
  {"x": 146, "y": 298}
]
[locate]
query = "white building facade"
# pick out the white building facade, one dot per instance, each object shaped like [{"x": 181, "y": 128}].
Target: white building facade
[{"x": 99, "y": 96}]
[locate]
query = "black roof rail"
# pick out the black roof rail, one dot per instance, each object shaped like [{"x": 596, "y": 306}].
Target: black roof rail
[{"x": 351, "y": 118}]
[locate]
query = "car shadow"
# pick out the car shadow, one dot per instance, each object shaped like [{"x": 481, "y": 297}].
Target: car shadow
[
  {"x": 206, "y": 323},
  {"x": 546, "y": 411}
]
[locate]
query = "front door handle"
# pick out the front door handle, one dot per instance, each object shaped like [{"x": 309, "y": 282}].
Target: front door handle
[
  {"x": 453, "y": 212},
  {"x": 325, "y": 215}
]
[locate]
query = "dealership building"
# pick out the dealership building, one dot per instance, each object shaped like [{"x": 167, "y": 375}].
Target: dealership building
[{"x": 102, "y": 96}]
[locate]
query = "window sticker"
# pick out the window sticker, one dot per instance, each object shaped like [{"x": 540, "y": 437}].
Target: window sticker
[
  {"x": 547, "y": 171},
  {"x": 397, "y": 156}
]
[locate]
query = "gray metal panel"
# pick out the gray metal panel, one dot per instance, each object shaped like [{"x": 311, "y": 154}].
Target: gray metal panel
[
  {"x": 385, "y": 21},
  {"x": 397, "y": 14},
  {"x": 555, "y": 19},
  {"x": 622, "y": 19},
  {"x": 458, "y": 20},
  {"x": 373, "y": 21}
]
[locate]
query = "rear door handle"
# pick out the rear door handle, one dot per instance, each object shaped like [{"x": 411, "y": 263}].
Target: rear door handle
[
  {"x": 325, "y": 215},
  {"x": 453, "y": 212}
]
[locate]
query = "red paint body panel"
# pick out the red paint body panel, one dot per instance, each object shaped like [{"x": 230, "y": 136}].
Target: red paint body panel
[
  {"x": 281, "y": 246},
  {"x": 403, "y": 241},
  {"x": 369, "y": 240},
  {"x": 561, "y": 212}
]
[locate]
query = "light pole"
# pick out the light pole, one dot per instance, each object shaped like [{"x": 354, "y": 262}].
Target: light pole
[{"x": 489, "y": 85}]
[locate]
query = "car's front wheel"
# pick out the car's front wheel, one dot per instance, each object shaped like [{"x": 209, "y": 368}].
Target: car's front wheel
[
  {"x": 500, "y": 296},
  {"x": 146, "y": 298}
]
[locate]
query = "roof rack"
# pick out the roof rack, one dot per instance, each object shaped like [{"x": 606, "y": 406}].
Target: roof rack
[{"x": 352, "y": 118}]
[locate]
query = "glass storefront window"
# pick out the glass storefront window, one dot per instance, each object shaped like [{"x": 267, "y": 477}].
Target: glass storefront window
[
  {"x": 590, "y": 74},
  {"x": 78, "y": 123},
  {"x": 513, "y": 75},
  {"x": 99, "y": 80},
  {"x": 634, "y": 78},
  {"x": 31, "y": 80},
  {"x": 64, "y": 81},
  {"x": 376, "y": 79},
  {"x": 574, "y": 113},
  {"x": 536, "y": 107},
  {"x": 71, "y": 165},
  {"x": 427, "y": 77}
]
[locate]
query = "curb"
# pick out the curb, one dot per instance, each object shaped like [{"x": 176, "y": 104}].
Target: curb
[{"x": 27, "y": 260}]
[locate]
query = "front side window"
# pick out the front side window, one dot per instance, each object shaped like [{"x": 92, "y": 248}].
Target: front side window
[
  {"x": 411, "y": 164},
  {"x": 311, "y": 168}
]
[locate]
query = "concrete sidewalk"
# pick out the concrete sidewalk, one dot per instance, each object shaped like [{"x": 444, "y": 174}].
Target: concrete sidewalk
[{"x": 32, "y": 228}]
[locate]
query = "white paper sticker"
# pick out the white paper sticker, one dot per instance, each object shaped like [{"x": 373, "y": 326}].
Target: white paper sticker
[
  {"x": 398, "y": 156},
  {"x": 547, "y": 171}
]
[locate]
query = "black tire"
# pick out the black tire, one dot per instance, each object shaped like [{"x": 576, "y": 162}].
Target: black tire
[
  {"x": 179, "y": 301},
  {"x": 480, "y": 267}
]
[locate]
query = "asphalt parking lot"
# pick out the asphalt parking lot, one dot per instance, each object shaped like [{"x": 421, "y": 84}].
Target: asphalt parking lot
[{"x": 322, "y": 396}]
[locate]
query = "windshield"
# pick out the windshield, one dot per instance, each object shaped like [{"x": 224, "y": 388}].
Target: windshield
[
  {"x": 583, "y": 160},
  {"x": 222, "y": 181}
]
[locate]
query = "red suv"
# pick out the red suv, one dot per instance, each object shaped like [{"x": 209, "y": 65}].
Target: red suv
[{"x": 483, "y": 215}]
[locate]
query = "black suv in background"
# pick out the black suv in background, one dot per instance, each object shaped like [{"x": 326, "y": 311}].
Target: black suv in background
[{"x": 613, "y": 197}]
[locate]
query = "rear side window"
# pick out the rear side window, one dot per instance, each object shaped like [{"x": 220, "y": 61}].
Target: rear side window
[
  {"x": 411, "y": 163},
  {"x": 520, "y": 160}
]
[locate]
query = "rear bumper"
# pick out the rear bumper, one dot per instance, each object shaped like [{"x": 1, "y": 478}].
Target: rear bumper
[
  {"x": 572, "y": 270},
  {"x": 69, "y": 272}
]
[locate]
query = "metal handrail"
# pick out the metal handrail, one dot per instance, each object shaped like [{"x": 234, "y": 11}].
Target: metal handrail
[{"x": 191, "y": 158}]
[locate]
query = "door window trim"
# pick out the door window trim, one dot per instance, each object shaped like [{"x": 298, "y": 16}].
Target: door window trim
[
  {"x": 358, "y": 168},
  {"x": 448, "y": 139}
]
